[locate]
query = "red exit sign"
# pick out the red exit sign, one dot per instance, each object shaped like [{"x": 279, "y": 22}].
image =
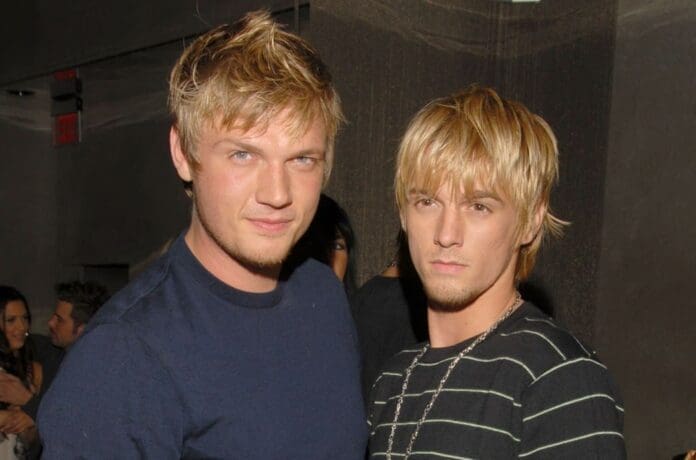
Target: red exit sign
[
  {"x": 66, "y": 107},
  {"x": 66, "y": 129}
]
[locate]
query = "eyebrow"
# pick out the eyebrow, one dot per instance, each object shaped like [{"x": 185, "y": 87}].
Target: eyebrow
[
  {"x": 253, "y": 148},
  {"x": 10, "y": 317},
  {"x": 476, "y": 195},
  {"x": 482, "y": 194},
  {"x": 414, "y": 191}
]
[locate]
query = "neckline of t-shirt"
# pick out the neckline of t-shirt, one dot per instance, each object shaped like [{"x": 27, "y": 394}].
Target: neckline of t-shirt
[
  {"x": 207, "y": 280},
  {"x": 436, "y": 354}
]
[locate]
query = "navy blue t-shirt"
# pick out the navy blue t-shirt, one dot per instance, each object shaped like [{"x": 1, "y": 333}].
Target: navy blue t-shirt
[{"x": 181, "y": 365}]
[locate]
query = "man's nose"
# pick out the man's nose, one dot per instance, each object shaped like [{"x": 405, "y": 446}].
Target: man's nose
[
  {"x": 450, "y": 228},
  {"x": 273, "y": 187}
]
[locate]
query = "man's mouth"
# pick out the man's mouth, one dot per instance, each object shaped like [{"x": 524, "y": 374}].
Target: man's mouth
[
  {"x": 271, "y": 225},
  {"x": 447, "y": 266}
]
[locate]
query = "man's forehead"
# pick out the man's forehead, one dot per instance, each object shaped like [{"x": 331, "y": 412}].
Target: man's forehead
[
  {"x": 63, "y": 307},
  {"x": 289, "y": 118},
  {"x": 307, "y": 142},
  {"x": 217, "y": 124}
]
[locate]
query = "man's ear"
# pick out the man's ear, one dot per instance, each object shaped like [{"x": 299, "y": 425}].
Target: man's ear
[
  {"x": 183, "y": 168},
  {"x": 535, "y": 225},
  {"x": 80, "y": 329}
]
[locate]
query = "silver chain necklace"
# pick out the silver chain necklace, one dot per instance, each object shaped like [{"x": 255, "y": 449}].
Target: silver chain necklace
[{"x": 390, "y": 443}]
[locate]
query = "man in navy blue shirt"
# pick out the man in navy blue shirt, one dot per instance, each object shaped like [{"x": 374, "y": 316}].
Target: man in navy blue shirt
[{"x": 220, "y": 349}]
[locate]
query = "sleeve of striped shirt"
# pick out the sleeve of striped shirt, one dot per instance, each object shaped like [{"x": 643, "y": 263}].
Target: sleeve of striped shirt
[
  {"x": 373, "y": 410},
  {"x": 573, "y": 411}
]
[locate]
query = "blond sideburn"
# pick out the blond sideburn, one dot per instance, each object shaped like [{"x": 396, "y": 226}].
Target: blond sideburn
[
  {"x": 477, "y": 137},
  {"x": 244, "y": 75}
]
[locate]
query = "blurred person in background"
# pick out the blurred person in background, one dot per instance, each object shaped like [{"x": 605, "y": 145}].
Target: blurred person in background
[
  {"x": 390, "y": 313},
  {"x": 17, "y": 428},
  {"x": 76, "y": 303},
  {"x": 330, "y": 240}
]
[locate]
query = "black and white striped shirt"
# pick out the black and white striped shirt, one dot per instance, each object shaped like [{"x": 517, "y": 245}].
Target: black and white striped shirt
[{"x": 530, "y": 390}]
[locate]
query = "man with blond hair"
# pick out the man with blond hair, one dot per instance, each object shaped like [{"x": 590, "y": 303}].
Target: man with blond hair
[
  {"x": 498, "y": 378},
  {"x": 222, "y": 350}
]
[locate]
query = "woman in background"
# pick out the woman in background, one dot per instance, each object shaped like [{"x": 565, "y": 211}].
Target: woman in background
[
  {"x": 330, "y": 240},
  {"x": 17, "y": 429}
]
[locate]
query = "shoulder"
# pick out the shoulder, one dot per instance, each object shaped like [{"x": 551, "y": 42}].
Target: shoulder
[
  {"x": 372, "y": 292},
  {"x": 572, "y": 403},
  {"x": 565, "y": 371},
  {"x": 136, "y": 293},
  {"x": 385, "y": 297},
  {"x": 109, "y": 358},
  {"x": 541, "y": 344},
  {"x": 377, "y": 284},
  {"x": 135, "y": 323},
  {"x": 106, "y": 359},
  {"x": 148, "y": 295},
  {"x": 112, "y": 394},
  {"x": 114, "y": 342},
  {"x": 384, "y": 287},
  {"x": 376, "y": 290}
]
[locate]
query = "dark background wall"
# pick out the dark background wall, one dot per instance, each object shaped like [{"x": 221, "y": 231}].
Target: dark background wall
[
  {"x": 646, "y": 315},
  {"x": 43, "y": 35},
  {"x": 614, "y": 79},
  {"x": 28, "y": 228}
]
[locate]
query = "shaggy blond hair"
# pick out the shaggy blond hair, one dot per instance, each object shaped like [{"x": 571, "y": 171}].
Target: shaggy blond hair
[
  {"x": 477, "y": 136},
  {"x": 244, "y": 75}
]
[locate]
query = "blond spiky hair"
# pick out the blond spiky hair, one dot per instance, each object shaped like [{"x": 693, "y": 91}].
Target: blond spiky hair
[{"x": 244, "y": 75}]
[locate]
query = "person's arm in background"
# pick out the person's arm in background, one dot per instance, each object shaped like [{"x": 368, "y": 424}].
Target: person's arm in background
[
  {"x": 13, "y": 391},
  {"x": 14, "y": 420}
]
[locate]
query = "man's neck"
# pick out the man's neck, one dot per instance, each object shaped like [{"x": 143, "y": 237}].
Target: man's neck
[
  {"x": 447, "y": 328},
  {"x": 225, "y": 268}
]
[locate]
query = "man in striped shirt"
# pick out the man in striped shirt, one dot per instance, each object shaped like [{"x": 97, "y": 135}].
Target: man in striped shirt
[{"x": 498, "y": 379}]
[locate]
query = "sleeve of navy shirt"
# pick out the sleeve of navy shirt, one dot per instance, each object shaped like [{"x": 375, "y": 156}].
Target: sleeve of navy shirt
[{"x": 111, "y": 399}]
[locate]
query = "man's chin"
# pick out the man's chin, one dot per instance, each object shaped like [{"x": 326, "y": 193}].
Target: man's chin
[
  {"x": 262, "y": 262},
  {"x": 448, "y": 299},
  {"x": 261, "y": 266}
]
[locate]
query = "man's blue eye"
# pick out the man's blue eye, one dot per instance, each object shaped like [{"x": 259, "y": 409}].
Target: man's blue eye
[
  {"x": 241, "y": 155},
  {"x": 306, "y": 160}
]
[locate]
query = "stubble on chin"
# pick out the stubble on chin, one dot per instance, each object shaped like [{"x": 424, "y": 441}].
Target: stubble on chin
[
  {"x": 258, "y": 262},
  {"x": 448, "y": 299},
  {"x": 253, "y": 259}
]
